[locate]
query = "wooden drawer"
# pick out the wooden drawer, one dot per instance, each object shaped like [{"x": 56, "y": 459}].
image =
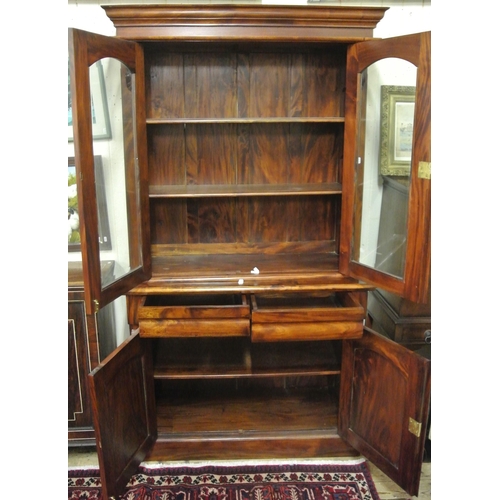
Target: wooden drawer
[
  {"x": 305, "y": 317},
  {"x": 194, "y": 316}
]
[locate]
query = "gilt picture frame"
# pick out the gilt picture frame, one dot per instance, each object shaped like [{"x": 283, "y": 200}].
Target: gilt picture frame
[
  {"x": 397, "y": 108},
  {"x": 101, "y": 127},
  {"x": 73, "y": 215}
]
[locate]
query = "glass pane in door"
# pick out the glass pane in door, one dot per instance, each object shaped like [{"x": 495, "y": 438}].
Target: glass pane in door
[
  {"x": 384, "y": 147},
  {"x": 112, "y": 88}
]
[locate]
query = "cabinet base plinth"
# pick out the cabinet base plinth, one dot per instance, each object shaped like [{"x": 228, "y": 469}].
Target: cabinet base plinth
[{"x": 308, "y": 444}]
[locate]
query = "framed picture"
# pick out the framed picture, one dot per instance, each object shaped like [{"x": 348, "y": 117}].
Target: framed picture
[
  {"x": 101, "y": 128},
  {"x": 73, "y": 216},
  {"x": 397, "y": 108}
]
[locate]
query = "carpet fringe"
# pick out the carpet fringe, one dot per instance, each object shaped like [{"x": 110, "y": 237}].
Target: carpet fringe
[{"x": 238, "y": 463}]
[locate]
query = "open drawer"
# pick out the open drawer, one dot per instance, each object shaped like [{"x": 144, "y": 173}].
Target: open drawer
[
  {"x": 304, "y": 317},
  {"x": 213, "y": 315}
]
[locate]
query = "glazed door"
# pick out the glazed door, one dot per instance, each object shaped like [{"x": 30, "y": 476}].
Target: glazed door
[
  {"x": 387, "y": 151},
  {"x": 384, "y": 405},
  {"x": 123, "y": 405},
  {"x": 107, "y": 122}
]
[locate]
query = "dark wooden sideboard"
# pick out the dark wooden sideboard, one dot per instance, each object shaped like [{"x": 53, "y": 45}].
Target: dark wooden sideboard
[
  {"x": 86, "y": 349},
  {"x": 246, "y": 298}
]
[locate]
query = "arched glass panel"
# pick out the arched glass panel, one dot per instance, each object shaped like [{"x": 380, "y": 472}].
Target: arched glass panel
[
  {"x": 385, "y": 137},
  {"x": 112, "y": 88}
]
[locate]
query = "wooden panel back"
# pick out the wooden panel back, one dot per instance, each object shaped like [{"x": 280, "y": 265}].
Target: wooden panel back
[
  {"x": 245, "y": 84},
  {"x": 244, "y": 220},
  {"x": 250, "y": 153},
  {"x": 191, "y": 96}
]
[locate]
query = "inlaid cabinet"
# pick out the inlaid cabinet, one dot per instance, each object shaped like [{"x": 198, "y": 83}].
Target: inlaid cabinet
[
  {"x": 80, "y": 425},
  {"x": 86, "y": 349},
  {"x": 248, "y": 250}
]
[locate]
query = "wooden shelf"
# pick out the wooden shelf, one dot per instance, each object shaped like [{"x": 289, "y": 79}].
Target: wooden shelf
[
  {"x": 201, "y": 121},
  {"x": 235, "y": 190},
  {"x": 233, "y": 358},
  {"x": 175, "y": 270}
]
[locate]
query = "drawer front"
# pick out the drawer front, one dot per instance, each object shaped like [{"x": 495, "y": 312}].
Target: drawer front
[
  {"x": 305, "y": 317},
  {"x": 403, "y": 329},
  {"x": 194, "y": 316}
]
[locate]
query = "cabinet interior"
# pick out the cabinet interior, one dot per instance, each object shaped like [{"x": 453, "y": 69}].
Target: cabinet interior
[
  {"x": 245, "y": 147},
  {"x": 229, "y": 386},
  {"x": 245, "y": 152}
]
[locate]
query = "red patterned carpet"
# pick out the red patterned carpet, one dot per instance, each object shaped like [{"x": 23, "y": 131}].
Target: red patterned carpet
[{"x": 344, "y": 481}]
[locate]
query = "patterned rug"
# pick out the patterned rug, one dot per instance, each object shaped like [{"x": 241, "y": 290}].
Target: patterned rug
[{"x": 337, "y": 481}]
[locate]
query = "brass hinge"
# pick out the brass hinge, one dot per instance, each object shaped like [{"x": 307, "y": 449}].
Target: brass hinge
[
  {"x": 415, "y": 427},
  {"x": 424, "y": 170},
  {"x": 96, "y": 305}
]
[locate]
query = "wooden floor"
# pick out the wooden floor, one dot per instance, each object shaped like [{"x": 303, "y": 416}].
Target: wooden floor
[{"x": 387, "y": 489}]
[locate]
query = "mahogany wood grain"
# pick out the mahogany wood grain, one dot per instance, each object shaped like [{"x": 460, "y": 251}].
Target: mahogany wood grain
[
  {"x": 238, "y": 190},
  {"x": 244, "y": 425},
  {"x": 294, "y": 255},
  {"x": 123, "y": 381},
  {"x": 225, "y": 263},
  {"x": 215, "y": 306},
  {"x": 305, "y": 317},
  {"x": 240, "y": 358},
  {"x": 299, "y": 308},
  {"x": 189, "y": 154},
  {"x": 271, "y": 23},
  {"x": 221, "y": 272},
  {"x": 194, "y": 328},
  {"x": 415, "y": 49},
  {"x": 245, "y": 119},
  {"x": 239, "y": 446},
  {"x": 248, "y": 220},
  {"x": 267, "y": 154},
  {"x": 419, "y": 224},
  {"x": 84, "y": 49},
  {"x": 164, "y": 80},
  {"x": 226, "y": 408},
  {"x": 393, "y": 384},
  {"x": 278, "y": 332},
  {"x": 247, "y": 84},
  {"x": 134, "y": 303}
]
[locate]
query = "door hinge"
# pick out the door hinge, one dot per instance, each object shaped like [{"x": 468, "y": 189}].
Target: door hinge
[
  {"x": 415, "y": 427},
  {"x": 96, "y": 305},
  {"x": 424, "y": 170}
]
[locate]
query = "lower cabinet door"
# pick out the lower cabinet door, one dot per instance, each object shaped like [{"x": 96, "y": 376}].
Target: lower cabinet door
[
  {"x": 123, "y": 404},
  {"x": 384, "y": 405}
]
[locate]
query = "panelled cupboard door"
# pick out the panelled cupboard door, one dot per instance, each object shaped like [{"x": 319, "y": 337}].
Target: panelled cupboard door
[
  {"x": 123, "y": 405},
  {"x": 106, "y": 110},
  {"x": 387, "y": 147},
  {"x": 384, "y": 405}
]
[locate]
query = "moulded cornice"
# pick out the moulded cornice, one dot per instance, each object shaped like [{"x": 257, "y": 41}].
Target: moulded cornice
[{"x": 231, "y": 22}]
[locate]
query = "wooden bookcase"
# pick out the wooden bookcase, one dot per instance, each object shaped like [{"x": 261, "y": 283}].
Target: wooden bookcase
[{"x": 247, "y": 328}]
